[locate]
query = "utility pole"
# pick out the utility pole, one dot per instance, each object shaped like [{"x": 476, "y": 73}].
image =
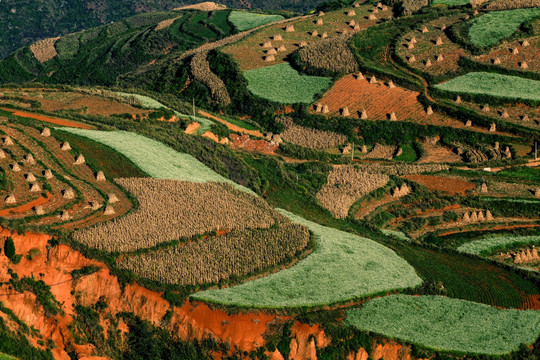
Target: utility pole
[
  {"x": 536, "y": 150},
  {"x": 193, "y": 109},
  {"x": 352, "y": 152}
]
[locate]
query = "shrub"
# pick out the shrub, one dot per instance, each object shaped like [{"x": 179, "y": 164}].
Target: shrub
[{"x": 9, "y": 248}]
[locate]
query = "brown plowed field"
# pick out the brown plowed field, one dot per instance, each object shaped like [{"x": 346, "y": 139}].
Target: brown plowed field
[
  {"x": 56, "y": 121},
  {"x": 530, "y": 54},
  {"x": 440, "y": 183},
  {"x": 515, "y": 113}
]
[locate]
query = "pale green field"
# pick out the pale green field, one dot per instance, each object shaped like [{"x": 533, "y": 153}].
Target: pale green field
[
  {"x": 342, "y": 267},
  {"x": 495, "y": 85},
  {"x": 487, "y": 245},
  {"x": 244, "y": 20},
  {"x": 450, "y": 2},
  {"x": 156, "y": 159},
  {"x": 446, "y": 324}
]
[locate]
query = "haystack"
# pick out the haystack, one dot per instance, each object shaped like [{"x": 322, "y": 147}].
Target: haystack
[
  {"x": 474, "y": 217},
  {"x": 359, "y": 76},
  {"x": 391, "y": 84},
  {"x": 65, "y": 146},
  {"x": 276, "y": 138},
  {"x": 363, "y": 115},
  {"x": 269, "y": 58},
  {"x": 112, "y": 198},
  {"x": 465, "y": 217},
  {"x": 485, "y": 108},
  {"x": 410, "y": 45},
  {"x": 29, "y": 159},
  {"x": 496, "y": 61},
  {"x": 393, "y": 116},
  {"x": 344, "y": 31},
  {"x": 515, "y": 51},
  {"x": 46, "y": 132},
  {"x": 443, "y": 27},
  {"x": 475, "y": 12},
  {"x": 458, "y": 99},
  {"x": 282, "y": 48},
  {"x": 504, "y": 114},
  {"x": 352, "y": 23},
  {"x": 373, "y": 80},
  {"x": 15, "y": 167},
  {"x": 351, "y": 13},
  {"x": 48, "y": 174},
  {"x": 428, "y": 63},
  {"x": 39, "y": 210},
  {"x": 356, "y": 27},
  {"x": 2, "y": 154},
  {"x": 413, "y": 40},
  {"x": 314, "y": 33},
  {"x": 537, "y": 192},
  {"x": 345, "y": 112},
  {"x": 271, "y": 51},
  {"x": 375, "y": 11},
  {"x": 424, "y": 30},
  {"x": 35, "y": 187},
  {"x": 109, "y": 210},
  {"x": 347, "y": 149},
  {"x": 481, "y": 216},
  {"x": 277, "y": 38},
  {"x": 439, "y": 58},
  {"x": 267, "y": 45},
  {"x": 321, "y": 13},
  {"x": 489, "y": 217},
  {"x": 325, "y": 109},
  {"x": 523, "y": 65},
  {"x": 484, "y": 188},
  {"x": 396, "y": 192},
  {"x": 302, "y": 44},
  {"x": 468, "y": 123},
  {"x": 30, "y": 177},
  {"x": 412, "y": 59},
  {"x": 384, "y": 8},
  {"x": 438, "y": 41},
  {"x": 372, "y": 17},
  {"x": 100, "y": 176},
  {"x": 318, "y": 107},
  {"x": 79, "y": 159},
  {"x": 507, "y": 150},
  {"x": 289, "y": 28},
  {"x": 429, "y": 110},
  {"x": 364, "y": 149},
  {"x": 496, "y": 145},
  {"x": 492, "y": 127},
  {"x": 525, "y": 43},
  {"x": 467, "y": 17},
  {"x": 404, "y": 189},
  {"x": 94, "y": 205},
  {"x": 10, "y": 199},
  {"x": 64, "y": 216},
  {"x": 319, "y": 22},
  {"x": 7, "y": 141},
  {"x": 68, "y": 193},
  {"x": 324, "y": 35},
  {"x": 525, "y": 118}
]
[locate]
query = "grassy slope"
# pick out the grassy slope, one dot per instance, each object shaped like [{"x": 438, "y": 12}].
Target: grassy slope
[
  {"x": 489, "y": 244},
  {"x": 245, "y": 20},
  {"x": 342, "y": 267},
  {"x": 447, "y": 324}
]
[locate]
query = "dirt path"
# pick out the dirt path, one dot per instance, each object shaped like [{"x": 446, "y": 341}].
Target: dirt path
[
  {"x": 56, "y": 121},
  {"x": 26, "y": 207},
  {"x": 231, "y": 126},
  {"x": 192, "y": 128}
]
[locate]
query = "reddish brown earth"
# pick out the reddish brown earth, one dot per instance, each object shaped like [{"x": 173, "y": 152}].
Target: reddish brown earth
[
  {"x": 56, "y": 121},
  {"x": 192, "y": 128},
  {"x": 530, "y": 54},
  {"x": 26, "y": 207},
  {"x": 231, "y": 126},
  {"x": 245, "y": 143},
  {"x": 531, "y": 302},
  {"x": 440, "y": 183}
]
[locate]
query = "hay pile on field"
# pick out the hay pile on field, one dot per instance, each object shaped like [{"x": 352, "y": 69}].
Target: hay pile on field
[
  {"x": 68, "y": 193},
  {"x": 46, "y": 132},
  {"x": 169, "y": 210},
  {"x": 2, "y": 154},
  {"x": 100, "y": 176},
  {"x": 29, "y": 159},
  {"x": 10, "y": 199},
  {"x": 309, "y": 138},
  {"x": 200, "y": 69},
  {"x": 7, "y": 141},
  {"x": 39, "y": 210},
  {"x": 44, "y": 50},
  {"x": 30, "y": 177},
  {"x": 35, "y": 187},
  {"x": 64, "y": 216},
  {"x": 330, "y": 54},
  {"x": 345, "y": 185},
  {"x": 48, "y": 174},
  {"x": 65, "y": 146},
  {"x": 15, "y": 167}
]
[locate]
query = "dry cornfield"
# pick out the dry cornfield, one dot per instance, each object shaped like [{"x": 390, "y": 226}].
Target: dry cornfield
[
  {"x": 44, "y": 50},
  {"x": 345, "y": 185},
  {"x": 170, "y": 209},
  {"x": 200, "y": 69},
  {"x": 219, "y": 257},
  {"x": 331, "y": 54},
  {"x": 380, "y": 151},
  {"x": 309, "y": 138},
  {"x": 403, "y": 169}
]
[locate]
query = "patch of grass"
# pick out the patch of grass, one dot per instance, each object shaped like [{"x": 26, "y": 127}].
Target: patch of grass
[
  {"x": 342, "y": 267},
  {"x": 244, "y": 20},
  {"x": 408, "y": 154},
  {"x": 497, "y": 25},
  {"x": 7, "y": 357},
  {"x": 445, "y": 324},
  {"x": 528, "y": 173},
  {"x": 488, "y": 245},
  {"x": 492, "y": 84},
  {"x": 282, "y": 84}
]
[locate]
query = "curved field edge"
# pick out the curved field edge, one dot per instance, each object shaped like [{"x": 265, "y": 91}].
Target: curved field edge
[
  {"x": 155, "y": 158},
  {"x": 488, "y": 245},
  {"x": 243, "y": 20},
  {"x": 503, "y": 86},
  {"x": 446, "y": 324},
  {"x": 342, "y": 267}
]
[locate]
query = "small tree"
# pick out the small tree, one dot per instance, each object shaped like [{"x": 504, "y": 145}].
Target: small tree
[{"x": 9, "y": 248}]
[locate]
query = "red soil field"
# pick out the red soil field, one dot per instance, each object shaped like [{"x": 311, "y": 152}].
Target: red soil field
[
  {"x": 56, "y": 121},
  {"x": 530, "y": 54},
  {"x": 440, "y": 183},
  {"x": 244, "y": 142},
  {"x": 26, "y": 207},
  {"x": 231, "y": 126}
]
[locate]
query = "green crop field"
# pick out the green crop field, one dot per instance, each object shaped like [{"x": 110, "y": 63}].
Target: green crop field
[
  {"x": 244, "y": 20},
  {"x": 154, "y": 158},
  {"x": 494, "y": 85},
  {"x": 7, "y": 357},
  {"x": 282, "y": 84},
  {"x": 450, "y": 2},
  {"x": 342, "y": 267},
  {"x": 488, "y": 245},
  {"x": 446, "y": 324},
  {"x": 497, "y": 25}
]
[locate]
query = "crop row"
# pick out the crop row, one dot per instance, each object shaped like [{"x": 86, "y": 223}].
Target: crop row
[
  {"x": 331, "y": 54},
  {"x": 309, "y": 138},
  {"x": 200, "y": 69}
]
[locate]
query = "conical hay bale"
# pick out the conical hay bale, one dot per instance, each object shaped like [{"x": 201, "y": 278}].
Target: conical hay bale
[
  {"x": 458, "y": 99},
  {"x": 363, "y": 115},
  {"x": 515, "y": 51},
  {"x": 46, "y": 132},
  {"x": 321, "y": 13},
  {"x": 94, "y": 205},
  {"x": 271, "y": 51},
  {"x": 373, "y": 80},
  {"x": 475, "y": 12},
  {"x": 412, "y": 59},
  {"x": 109, "y": 210},
  {"x": 525, "y": 43},
  {"x": 351, "y": 13},
  {"x": 525, "y": 118},
  {"x": 100, "y": 176},
  {"x": 277, "y": 37},
  {"x": 65, "y": 146},
  {"x": 345, "y": 31},
  {"x": 424, "y": 29},
  {"x": 7, "y": 141},
  {"x": 393, "y": 116},
  {"x": 64, "y": 216},
  {"x": 314, "y": 33},
  {"x": 319, "y": 22},
  {"x": 2, "y": 154},
  {"x": 35, "y": 187},
  {"x": 39, "y": 210},
  {"x": 324, "y": 35},
  {"x": 481, "y": 216},
  {"x": 30, "y": 177},
  {"x": 537, "y": 192},
  {"x": 438, "y": 41},
  {"x": 473, "y": 216},
  {"x": 282, "y": 48},
  {"x": 413, "y": 40},
  {"x": 410, "y": 45},
  {"x": 428, "y": 62},
  {"x": 396, "y": 192},
  {"x": 318, "y": 107},
  {"x": 485, "y": 108},
  {"x": 352, "y": 23},
  {"x": 112, "y": 198},
  {"x": 443, "y": 27},
  {"x": 468, "y": 123},
  {"x": 439, "y": 58},
  {"x": 356, "y": 4},
  {"x": 372, "y": 17},
  {"x": 359, "y": 76},
  {"x": 10, "y": 199},
  {"x": 325, "y": 109},
  {"x": 496, "y": 145},
  {"x": 48, "y": 174},
  {"x": 356, "y": 27},
  {"x": 429, "y": 110},
  {"x": 375, "y": 11},
  {"x": 267, "y": 44},
  {"x": 465, "y": 217},
  {"x": 492, "y": 127},
  {"x": 489, "y": 217},
  {"x": 384, "y": 8},
  {"x": 79, "y": 160},
  {"x": 68, "y": 193},
  {"x": 523, "y": 65},
  {"x": 364, "y": 149},
  {"x": 391, "y": 84},
  {"x": 345, "y": 111},
  {"x": 484, "y": 188},
  {"x": 507, "y": 149},
  {"x": 467, "y": 17},
  {"x": 504, "y": 114},
  {"x": 289, "y": 28},
  {"x": 15, "y": 167},
  {"x": 269, "y": 58},
  {"x": 276, "y": 138},
  {"x": 496, "y": 61},
  {"x": 29, "y": 159},
  {"x": 303, "y": 43}
]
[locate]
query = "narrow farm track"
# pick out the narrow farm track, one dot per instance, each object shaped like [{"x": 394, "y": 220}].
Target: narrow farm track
[
  {"x": 231, "y": 126},
  {"x": 56, "y": 121}
]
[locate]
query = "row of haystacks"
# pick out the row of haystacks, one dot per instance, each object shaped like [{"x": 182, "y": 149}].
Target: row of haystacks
[
  {"x": 333, "y": 54},
  {"x": 345, "y": 185},
  {"x": 170, "y": 209},
  {"x": 309, "y": 138},
  {"x": 217, "y": 258},
  {"x": 200, "y": 69}
]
